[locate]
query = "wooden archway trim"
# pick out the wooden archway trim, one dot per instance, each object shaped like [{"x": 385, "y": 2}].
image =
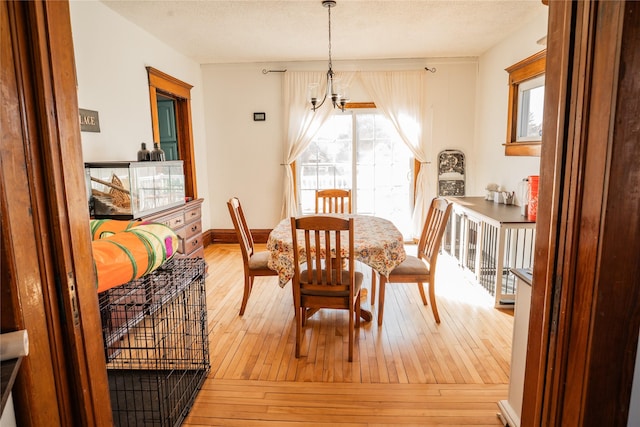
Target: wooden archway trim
[
  {"x": 585, "y": 316},
  {"x": 48, "y": 283}
]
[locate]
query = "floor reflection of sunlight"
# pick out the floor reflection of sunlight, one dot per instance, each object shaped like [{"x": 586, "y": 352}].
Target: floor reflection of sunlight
[{"x": 452, "y": 284}]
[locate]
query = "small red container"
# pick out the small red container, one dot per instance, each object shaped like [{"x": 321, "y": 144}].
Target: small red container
[{"x": 532, "y": 210}]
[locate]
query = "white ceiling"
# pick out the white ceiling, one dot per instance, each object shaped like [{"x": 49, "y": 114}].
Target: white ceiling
[{"x": 216, "y": 31}]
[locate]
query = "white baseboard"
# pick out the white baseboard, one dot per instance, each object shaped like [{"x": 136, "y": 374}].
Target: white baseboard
[{"x": 507, "y": 415}]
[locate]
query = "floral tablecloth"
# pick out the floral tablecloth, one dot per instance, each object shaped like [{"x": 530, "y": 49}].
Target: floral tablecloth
[{"x": 378, "y": 244}]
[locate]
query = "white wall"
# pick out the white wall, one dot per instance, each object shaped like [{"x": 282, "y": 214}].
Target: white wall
[
  {"x": 451, "y": 98},
  {"x": 488, "y": 159},
  {"x": 235, "y": 156},
  {"x": 111, "y": 55},
  {"x": 245, "y": 157}
]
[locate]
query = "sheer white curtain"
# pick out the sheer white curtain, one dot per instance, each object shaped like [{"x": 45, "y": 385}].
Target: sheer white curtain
[
  {"x": 400, "y": 97},
  {"x": 301, "y": 124}
]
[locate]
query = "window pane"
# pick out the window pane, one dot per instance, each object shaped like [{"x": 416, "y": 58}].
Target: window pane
[
  {"x": 530, "y": 108},
  {"x": 382, "y": 166},
  {"x": 366, "y": 200},
  {"x": 365, "y": 152},
  {"x": 327, "y": 162},
  {"x": 365, "y": 125},
  {"x": 384, "y": 172}
]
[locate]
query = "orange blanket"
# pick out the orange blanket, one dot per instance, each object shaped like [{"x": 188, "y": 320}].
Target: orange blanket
[{"x": 126, "y": 250}]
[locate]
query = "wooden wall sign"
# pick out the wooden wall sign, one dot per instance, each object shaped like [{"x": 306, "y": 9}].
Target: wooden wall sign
[{"x": 89, "y": 121}]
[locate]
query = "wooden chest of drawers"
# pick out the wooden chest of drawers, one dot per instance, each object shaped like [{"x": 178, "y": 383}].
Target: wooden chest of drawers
[{"x": 186, "y": 222}]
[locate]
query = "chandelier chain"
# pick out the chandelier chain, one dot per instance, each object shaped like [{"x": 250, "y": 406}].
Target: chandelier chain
[{"x": 330, "y": 65}]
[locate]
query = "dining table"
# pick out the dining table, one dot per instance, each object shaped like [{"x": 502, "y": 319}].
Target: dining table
[{"x": 377, "y": 243}]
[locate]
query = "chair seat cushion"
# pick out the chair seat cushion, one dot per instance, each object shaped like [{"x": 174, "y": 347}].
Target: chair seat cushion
[
  {"x": 411, "y": 266},
  {"x": 359, "y": 277},
  {"x": 258, "y": 260}
]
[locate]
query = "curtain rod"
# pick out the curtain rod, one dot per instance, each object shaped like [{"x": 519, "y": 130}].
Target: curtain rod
[{"x": 265, "y": 71}]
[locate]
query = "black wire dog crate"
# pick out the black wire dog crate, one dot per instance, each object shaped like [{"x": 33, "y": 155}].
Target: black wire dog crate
[{"x": 156, "y": 344}]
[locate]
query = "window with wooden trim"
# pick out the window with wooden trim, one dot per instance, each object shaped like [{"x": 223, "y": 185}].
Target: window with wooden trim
[{"x": 526, "y": 102}]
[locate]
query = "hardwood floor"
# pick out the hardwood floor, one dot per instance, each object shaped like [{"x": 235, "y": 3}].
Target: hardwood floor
[{"x": 410, "y": 371}]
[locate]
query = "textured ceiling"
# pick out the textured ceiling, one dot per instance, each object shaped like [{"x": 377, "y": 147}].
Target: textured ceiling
[{"x": 215, "y": 31}]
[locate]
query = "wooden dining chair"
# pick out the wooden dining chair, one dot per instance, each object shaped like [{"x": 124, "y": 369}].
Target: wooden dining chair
[
  {"x": 255, "y": 263},
  {"x": 337, "y": 200},
  {"x": 317, "y": 287},
  {"x": 421, "y": 268},
  {"x": 334, "y": 200}
]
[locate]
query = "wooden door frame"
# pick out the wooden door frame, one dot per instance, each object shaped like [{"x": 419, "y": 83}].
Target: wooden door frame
[
  {"x": 48, "y": 283},
  {"x": 585, "y": 314},
  {"x": 587, "y": 226},
  {"x": 163, "y": 83}
]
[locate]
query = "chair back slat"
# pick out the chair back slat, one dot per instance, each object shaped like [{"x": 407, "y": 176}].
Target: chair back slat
[
  {"x": 436, "y": 223},
  {"x": 333, "y": 200},
  {"x": 337, "y": 260}
]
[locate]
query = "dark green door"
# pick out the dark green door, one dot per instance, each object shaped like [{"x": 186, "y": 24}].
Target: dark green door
[{"x": 167, "y": 125}]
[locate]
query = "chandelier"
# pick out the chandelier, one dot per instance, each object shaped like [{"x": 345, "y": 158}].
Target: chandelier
[{"x": 335, "y": 90}]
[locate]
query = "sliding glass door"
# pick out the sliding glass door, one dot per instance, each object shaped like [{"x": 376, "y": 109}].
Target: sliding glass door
[{"x": 362, "y": 151}]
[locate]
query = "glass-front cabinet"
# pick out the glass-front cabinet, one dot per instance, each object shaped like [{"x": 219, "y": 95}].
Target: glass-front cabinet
[{"x": 129, "y": 190}]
